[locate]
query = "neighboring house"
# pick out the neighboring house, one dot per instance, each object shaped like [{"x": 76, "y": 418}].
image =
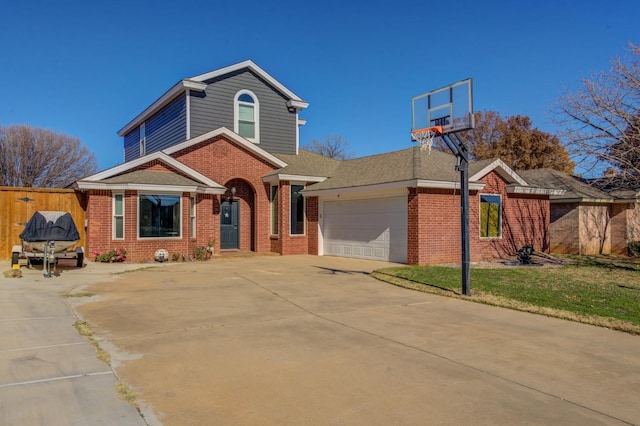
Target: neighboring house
[
  {"x": 217, "y": 159},
  {"x": 586, "y": 220},
  {"x": 625, "y": 224}
]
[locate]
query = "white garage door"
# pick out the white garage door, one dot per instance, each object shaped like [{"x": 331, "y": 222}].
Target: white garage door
[{"x": 368, "y": 229}]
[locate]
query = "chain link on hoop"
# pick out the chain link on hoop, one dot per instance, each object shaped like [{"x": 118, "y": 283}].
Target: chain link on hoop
[{"x": 426, "y": 136}]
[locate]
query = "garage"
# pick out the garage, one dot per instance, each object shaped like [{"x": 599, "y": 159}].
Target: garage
[{"x": 374, "y": 229}]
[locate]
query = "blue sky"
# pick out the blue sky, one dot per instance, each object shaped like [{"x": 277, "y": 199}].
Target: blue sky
[{"x": 88, "y": 68}]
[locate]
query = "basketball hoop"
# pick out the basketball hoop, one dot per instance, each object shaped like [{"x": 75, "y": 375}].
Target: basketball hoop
[{"x": 426, "y": 136}]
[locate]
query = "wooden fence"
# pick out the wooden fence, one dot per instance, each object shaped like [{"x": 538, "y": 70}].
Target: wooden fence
[{"x": 17, "y": 205}]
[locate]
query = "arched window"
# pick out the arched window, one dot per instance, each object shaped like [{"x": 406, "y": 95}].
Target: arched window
[{"x": 247, "y": 115}]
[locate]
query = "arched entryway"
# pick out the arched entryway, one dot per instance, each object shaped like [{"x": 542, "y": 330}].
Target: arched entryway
[{"x": 237, "y": 216}]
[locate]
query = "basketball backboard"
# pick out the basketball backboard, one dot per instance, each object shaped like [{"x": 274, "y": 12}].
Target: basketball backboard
[{"x": 450, "y": 107}]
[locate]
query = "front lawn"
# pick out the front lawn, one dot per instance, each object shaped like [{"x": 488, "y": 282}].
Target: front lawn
[{"x": 597, "y": 291}]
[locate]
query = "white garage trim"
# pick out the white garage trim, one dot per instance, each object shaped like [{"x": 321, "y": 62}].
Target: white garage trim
[{"x": 374, "y": 228}]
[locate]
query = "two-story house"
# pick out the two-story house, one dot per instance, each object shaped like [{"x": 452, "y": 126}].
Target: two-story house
[{"x": 216, "y": 160}]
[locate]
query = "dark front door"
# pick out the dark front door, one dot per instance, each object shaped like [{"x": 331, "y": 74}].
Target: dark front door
[{"x": 229, "y": 214}]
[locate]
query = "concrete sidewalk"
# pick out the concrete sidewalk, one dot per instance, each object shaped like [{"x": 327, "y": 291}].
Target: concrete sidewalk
[
  {"x": 49, "y": 374},
  {"x": 314, "y": 340}
]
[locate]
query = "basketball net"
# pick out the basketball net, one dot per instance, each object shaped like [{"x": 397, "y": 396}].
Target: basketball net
[{"x": 426, "y": 136}]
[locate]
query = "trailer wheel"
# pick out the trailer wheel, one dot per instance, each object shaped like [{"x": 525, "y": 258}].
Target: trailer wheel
[
  {"x": 80, "y": 260},
  {"x": 14, "y": 258}
]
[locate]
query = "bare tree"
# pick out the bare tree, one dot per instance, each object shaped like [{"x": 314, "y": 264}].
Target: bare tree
[
  {"x": 33, "y": 157},
  {"x": 334, "y": 146},
  {"x": 601, "y": 121},
  {"x": 515, "y": 141}
]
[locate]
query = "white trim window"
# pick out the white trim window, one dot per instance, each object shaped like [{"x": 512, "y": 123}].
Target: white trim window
[
  {"x": 246, "y": 115},
  {"x": 490, "y": 216},
  {"x": 192, "y": 216},
  {"x": 159, "y": 215},
  {"x": 118, "y": 216},
  {"x": 143, "y": 140},
  {"x": 275, "y": 210},
  {"x": 297, "y": 210}
]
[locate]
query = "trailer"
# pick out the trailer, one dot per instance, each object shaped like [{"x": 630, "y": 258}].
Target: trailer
[{"x": 48, "y": 237}]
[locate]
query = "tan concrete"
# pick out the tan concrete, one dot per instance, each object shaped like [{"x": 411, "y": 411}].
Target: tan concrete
[{"x": 313, "y": 340}]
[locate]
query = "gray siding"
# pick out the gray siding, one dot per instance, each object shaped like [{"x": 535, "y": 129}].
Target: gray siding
[
  {"x": 168, "y": 126},
  {"x": 165, "y": 128},
  {"x": 132, "y": 144},
  {"x": 213, "y": 108}
]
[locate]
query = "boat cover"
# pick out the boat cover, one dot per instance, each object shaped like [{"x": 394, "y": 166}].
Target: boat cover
[{"x": 50, "y": 226}]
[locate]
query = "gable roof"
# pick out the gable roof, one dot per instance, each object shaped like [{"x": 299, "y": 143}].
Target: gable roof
[
  {"x": 479, "y": 169},
  {"x": 575, "y": 189},
  {"x": 197, "y": 83},
  {"x": 125, "y": 176},
  {"x": 295, "y": 100}
]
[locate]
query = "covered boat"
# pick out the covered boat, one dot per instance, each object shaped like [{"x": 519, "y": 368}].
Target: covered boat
[{"x": 53, "y": 229}]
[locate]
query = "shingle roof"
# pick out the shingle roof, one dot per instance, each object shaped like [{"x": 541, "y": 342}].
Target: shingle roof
[
  {"x": 306, "y": 163},
  {"x": 617, "y": 186},
  {"x": 574, "y": 187},
  {"x": 397, "y": 166}
]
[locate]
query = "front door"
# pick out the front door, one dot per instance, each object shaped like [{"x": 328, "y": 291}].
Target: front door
[{"x": 229, "y": 214}]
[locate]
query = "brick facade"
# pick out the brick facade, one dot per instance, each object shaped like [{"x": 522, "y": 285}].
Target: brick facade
[
  {"x": 433, "y": 220},
  {"x": 434, "y": 224},
  {"x": 227, "y": 164}
]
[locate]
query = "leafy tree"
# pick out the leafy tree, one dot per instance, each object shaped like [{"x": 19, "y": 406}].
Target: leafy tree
[
  {"x": 334, "y": 146},
  {"x": 33, "y": 157},
  {"x": 516, "y": 142},
  {"x": 601, "y": 120}
]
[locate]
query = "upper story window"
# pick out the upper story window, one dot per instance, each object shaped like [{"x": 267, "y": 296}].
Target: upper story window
[
  {"x": 247, "y": 115},
  {"x": 143, "y": 140}
]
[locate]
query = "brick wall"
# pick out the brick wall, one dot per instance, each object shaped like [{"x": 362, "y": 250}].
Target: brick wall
[
  {"x": 100, "y": 229},
  {"x": 231, "y": 166},
  {"x": 218, "y": 159},
  {"x": 433, "y": 232},
  {"x": 565, "y": 238},
  {"x": 595, "y": 228},
  {"x": 434, "y": 224},
  {"x": 625, "y": 226}
]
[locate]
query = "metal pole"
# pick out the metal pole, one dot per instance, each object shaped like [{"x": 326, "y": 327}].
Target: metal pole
[
  {"x": 464, "y": 226},
  {"x": 460, "y": 150}
]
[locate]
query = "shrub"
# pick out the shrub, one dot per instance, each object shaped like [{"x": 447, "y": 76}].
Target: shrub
[
  {"x": 175, "y": 257},
  {"x": 201, "y": 253},
  {"x": 118, "y": 255},
  {"x": 633, "y": 248}
]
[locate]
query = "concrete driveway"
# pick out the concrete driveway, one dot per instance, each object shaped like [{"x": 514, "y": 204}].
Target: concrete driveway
[
  {"x": 314, "y": 340},
  {"x": 49, "y": 374},
  {"x": 304, "y": 340}
]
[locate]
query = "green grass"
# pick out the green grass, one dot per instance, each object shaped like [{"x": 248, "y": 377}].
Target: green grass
[{"x": 596, "y": 291}]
